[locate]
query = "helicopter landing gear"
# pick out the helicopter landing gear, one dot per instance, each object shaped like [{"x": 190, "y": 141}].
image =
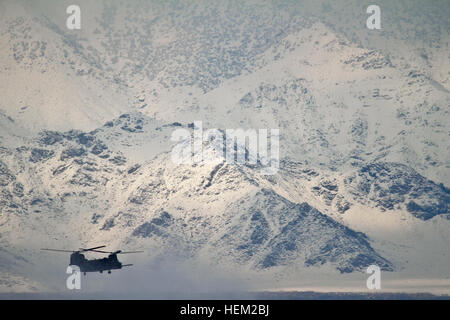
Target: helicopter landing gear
[
  {"x": 84, "y": 273},
  {"x": 101, "y": 271},
  {"x": 109, "y": 271}
]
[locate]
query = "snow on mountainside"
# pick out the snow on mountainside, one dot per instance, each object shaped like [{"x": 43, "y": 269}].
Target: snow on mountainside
[
  {"x": 216, "y": 210},
  {"x": 271, "y": 231},
  {"x": 86, "y": 118}
]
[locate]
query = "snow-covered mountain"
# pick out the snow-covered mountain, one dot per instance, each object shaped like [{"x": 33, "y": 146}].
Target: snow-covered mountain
[{"x": 86, "y": 119}]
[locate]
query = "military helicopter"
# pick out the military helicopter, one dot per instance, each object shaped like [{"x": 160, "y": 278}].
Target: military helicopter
[{"x": 104, "y": 264}]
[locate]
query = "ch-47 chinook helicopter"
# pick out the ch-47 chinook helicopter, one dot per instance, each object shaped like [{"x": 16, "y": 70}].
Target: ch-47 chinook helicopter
[{"x": 105, "y": 264}]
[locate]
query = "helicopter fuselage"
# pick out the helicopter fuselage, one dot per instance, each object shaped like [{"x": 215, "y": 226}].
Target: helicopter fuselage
[{"x": 95, "y": 265}]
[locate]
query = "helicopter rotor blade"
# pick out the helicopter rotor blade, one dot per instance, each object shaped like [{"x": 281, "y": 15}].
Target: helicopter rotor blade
[
  {"x": 91, "y": 249},
  {"x": 125, "y": 252},
  {"x": 58, "y": 250},
  {"x": 127, "y": 265},
  {"x": 113, "y": 252},
  {"x": 100, "y": 251}
]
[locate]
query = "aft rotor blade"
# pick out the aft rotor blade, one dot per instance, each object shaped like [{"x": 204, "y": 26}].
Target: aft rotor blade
[
  {"x": 90, "y": 249},
  {"x": 124, "y": 252},
  {"x": 58, "y": 250}
]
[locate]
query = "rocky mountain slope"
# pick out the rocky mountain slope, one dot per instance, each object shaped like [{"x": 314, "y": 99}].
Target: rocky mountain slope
[{"x": 86, "y": 119}]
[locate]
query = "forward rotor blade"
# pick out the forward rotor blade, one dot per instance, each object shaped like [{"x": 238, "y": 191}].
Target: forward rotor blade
[
  {"x": 100, "y": 251},
  {"x": 116, "y": 252},
  {"x": 90, "y": 249},
  {"x": 58, "y": 250}
]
